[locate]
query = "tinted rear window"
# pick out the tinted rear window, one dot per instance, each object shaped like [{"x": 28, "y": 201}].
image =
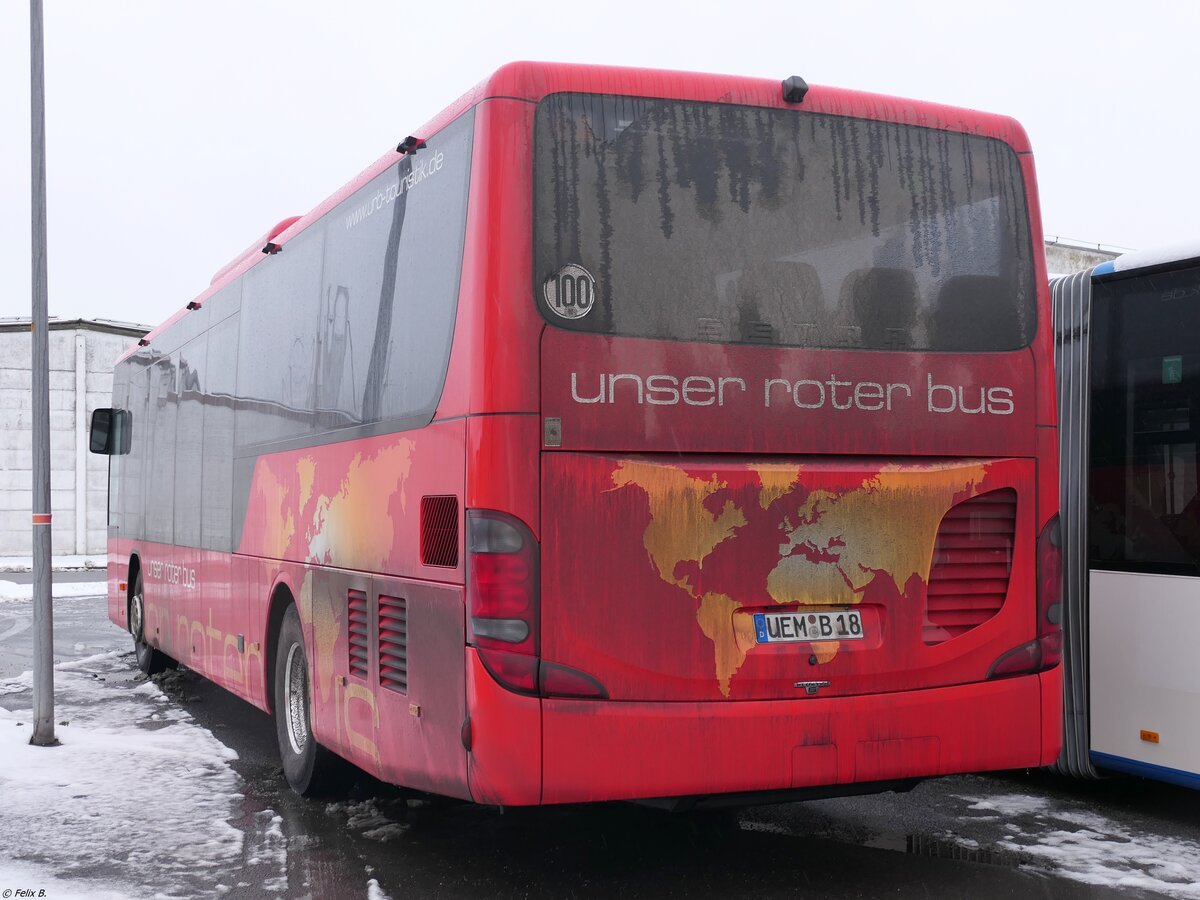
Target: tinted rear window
[{"x": 714, "y": 222}]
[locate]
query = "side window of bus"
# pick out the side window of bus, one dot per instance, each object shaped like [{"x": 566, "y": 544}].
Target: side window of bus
[
  {"x": 277, "y": 344},
  {"x": 191, "y": 380},
  {"x": 393, "y": 258},
  {"x": 217, "y": 466},
  {"x": 133, "y": 496},
  {"x": 159, "y": 466}
]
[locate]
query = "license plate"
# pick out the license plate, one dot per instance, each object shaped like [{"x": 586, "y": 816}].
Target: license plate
[{"x": 832, "y": 625}]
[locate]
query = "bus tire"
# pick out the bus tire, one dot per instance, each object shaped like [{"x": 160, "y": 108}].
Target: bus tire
[
  {"x": 311, "y": 770},
  {"x": 150, "y": 661}
]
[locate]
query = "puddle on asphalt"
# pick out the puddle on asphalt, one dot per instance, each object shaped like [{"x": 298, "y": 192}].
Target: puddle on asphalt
[{"x": 944, "y": 848}]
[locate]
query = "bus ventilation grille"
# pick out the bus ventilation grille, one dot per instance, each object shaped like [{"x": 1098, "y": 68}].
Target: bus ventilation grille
[
  {"x": 393, "y": 643},
  {"x": 439, "y": 531},
  {"x": 356, "y": 601},
  {"x": 972, "y": 561}
]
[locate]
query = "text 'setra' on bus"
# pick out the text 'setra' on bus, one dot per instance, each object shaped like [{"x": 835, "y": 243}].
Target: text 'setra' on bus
[{"x": 622, "y": 434}]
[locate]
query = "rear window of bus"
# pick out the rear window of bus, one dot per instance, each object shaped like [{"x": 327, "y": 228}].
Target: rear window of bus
[{"x": 734, "y": 224}]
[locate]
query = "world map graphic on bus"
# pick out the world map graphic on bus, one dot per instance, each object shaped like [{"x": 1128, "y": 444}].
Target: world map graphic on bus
[{"x": 803, "y": 545}]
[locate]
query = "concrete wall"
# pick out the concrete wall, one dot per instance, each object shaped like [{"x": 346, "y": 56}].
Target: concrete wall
[
  {"x": 81, "y": 363},
  {"x": 1065, "y": 259}
]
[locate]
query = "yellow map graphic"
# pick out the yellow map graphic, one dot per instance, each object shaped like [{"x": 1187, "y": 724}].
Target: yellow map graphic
[
  {"x": 279, "y": 526},
  {"x": 353, "y": 528},
  {"x": 831, "y": 544},
  {"x": 342, "y": 521}
]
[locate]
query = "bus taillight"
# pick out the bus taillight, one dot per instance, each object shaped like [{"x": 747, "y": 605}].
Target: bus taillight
[
  {"x": 1046, "y": 651},
  {"x": 502, "y": 598},
  {"x": 502, "y": 607}
]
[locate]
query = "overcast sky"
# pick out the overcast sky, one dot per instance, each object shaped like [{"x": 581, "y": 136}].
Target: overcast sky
[{"x": 179, "y": 133}]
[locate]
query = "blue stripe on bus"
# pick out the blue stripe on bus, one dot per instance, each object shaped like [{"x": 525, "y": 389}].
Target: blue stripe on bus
[
  {"x": 1105, "y": 268},
  {"x": 1146, "y": 770}
]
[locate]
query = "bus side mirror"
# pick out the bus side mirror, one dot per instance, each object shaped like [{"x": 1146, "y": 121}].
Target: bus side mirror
[{"x": 110, "y": 431}]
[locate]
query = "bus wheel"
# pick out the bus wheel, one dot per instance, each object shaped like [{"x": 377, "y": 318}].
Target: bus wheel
[
  {"x": 311, "y": 769},
  {"x": 149, "y": 660}
]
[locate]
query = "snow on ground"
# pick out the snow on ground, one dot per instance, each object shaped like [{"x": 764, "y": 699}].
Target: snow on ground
[
  {"x": 368, "y": 819},
  {"x": 59, "y": 563},
  {"x": 36, "y": 879},
  {"x": 1079, "y": 844},
  {"x": 268, "y": 848},
  {"x": 135, "y": 802},
  {"x": 11, "y": 591}
]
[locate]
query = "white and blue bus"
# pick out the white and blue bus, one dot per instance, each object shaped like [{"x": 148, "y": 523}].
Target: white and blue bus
[{"x": 1128, "y": 356}]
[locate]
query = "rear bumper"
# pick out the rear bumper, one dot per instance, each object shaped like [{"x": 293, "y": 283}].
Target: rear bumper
[{"x": 596, "y": 750}]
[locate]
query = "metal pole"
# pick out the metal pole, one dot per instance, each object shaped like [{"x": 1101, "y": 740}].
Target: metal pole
[{"x": 43, "y": 622}]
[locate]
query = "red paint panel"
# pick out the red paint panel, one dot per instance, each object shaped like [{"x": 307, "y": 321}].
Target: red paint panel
[
  {"x": 502, "y": 471},
  {"x": 195, "y": 610},
  {"x": 419, "y": 736},
  {"x": 653, "y": 568},
  {"x": 532, "y": 81},
  {"x": 251, "y": 580},
  {"x": 1052, "y": 715},
  {"x": 505, "y": 762},
  {"x": 1043, "y": 343},
  {"x": 1048, "y": 497},
  {"x": 354, "y": 505},
  {"x": 608, "y": 751},
  {"x": 815, "y": 764},
  {"x": 638, "y": 395},
  {"x": 496, "y": 335},
  {"x": 895, "y": 758},
  {"x": 119, "y": 551}
]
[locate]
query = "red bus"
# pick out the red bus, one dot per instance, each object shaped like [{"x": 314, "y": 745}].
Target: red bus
[{"x": 621, "y": 434}]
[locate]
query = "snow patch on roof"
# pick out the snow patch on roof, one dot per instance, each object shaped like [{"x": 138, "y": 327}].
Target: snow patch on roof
[{"x": 1156, "y": 256}]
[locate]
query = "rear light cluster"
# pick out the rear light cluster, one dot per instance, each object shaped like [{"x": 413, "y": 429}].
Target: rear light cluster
[
  {"x": 1046, "y": 650},
  {"x": 503, "y": 609}
]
